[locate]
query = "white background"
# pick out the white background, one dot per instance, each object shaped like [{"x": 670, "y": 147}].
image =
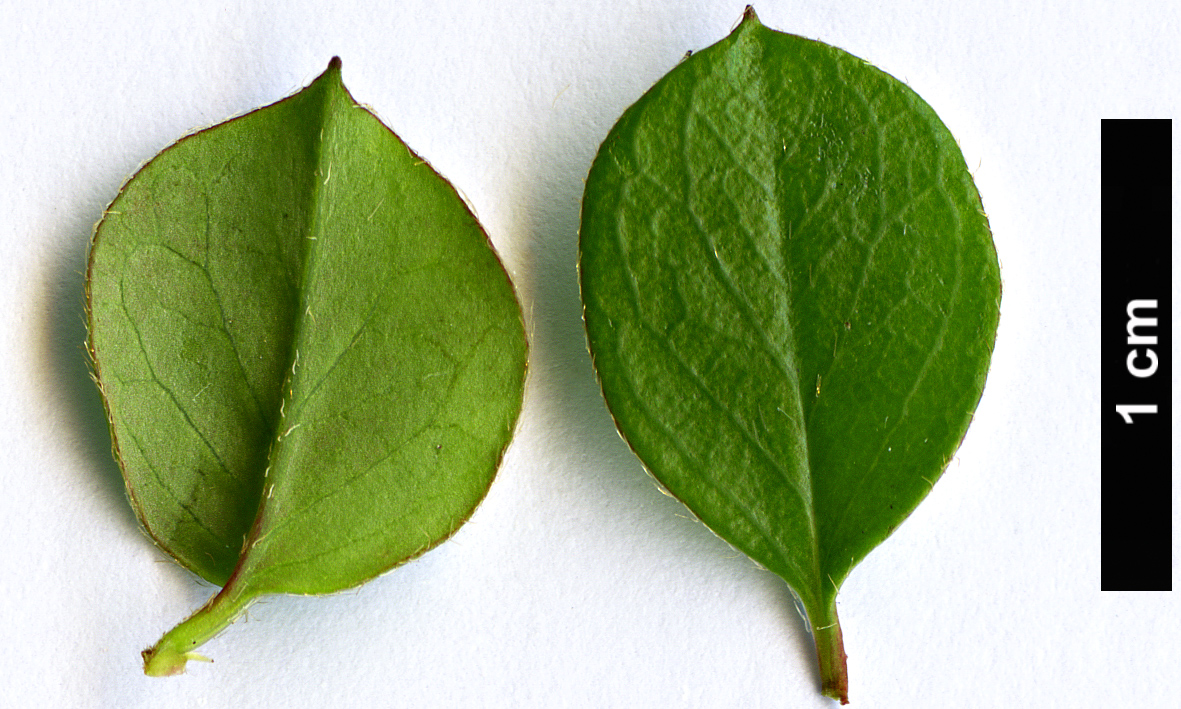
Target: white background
[{"x": 577, "y": 583}]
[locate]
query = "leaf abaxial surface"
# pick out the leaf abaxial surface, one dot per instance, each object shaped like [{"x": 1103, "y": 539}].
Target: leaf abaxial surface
[
  {"x": 311, "y": 357},
  {"x": 791, "y": 296}
]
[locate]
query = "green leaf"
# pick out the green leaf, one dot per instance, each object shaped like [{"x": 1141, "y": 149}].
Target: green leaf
[
  {"x": 311, "y": 357},
  {"x": 791, "y": 296}
]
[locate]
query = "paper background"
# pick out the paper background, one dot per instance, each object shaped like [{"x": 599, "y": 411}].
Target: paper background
[{"x": 577, "y": 583}]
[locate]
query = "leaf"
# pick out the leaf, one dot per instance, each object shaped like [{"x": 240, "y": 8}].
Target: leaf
[
  {"x": 311, "y": 358},
  {"x": 791, "y": 296}
]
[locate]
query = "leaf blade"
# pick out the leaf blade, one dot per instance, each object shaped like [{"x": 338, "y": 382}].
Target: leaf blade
[
  {"x": 781, "y": 248},
  {"x": 379, "y": 373}
]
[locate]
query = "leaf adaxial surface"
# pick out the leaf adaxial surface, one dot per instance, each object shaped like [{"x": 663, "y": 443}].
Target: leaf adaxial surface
[{"x": 791, "y": 296}]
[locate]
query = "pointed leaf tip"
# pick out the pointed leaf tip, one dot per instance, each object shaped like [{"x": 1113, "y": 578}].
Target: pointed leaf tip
[{"x": 333, "y": 70}]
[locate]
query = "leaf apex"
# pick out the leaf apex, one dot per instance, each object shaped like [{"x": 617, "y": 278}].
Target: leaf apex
[
  {"x": 331, "y": 76},
  {"x": 333, "y": 71}
]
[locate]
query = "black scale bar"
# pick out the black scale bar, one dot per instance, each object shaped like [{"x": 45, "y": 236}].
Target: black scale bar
[{"x": 1137, "y": 364}]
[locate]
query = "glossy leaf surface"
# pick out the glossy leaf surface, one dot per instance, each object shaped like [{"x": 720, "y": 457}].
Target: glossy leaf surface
[
  {"x": 791, "y": 296},
  {"x": 311, "y": 357}
]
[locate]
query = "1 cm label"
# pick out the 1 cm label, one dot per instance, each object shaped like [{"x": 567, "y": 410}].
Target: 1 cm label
[{"x": 1134, "y": 357}]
